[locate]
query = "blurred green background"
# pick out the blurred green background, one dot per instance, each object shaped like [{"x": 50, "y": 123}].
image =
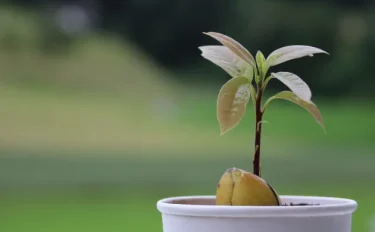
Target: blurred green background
[{"x": 107, "y": 107}]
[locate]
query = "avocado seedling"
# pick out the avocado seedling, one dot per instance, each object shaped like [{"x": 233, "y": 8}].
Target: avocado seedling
[
  {"x": 249, "y": 79},
  {"x": 244, "y": 199}
]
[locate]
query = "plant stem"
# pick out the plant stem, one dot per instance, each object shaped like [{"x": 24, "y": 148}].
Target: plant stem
[{"x": 258, "y": 131}]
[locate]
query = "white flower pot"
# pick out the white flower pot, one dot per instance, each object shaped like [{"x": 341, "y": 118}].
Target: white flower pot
[{"x": 200, "y": 214}]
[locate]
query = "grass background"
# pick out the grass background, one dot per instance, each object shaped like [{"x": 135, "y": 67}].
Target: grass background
[{"x": 87, "y": 144}]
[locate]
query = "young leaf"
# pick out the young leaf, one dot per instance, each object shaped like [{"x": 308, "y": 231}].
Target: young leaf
[
  {"x": 295, "y": 83},
  {"x": 308, "y": 105},
  {"x": 257, "y": 78},
  {"x": 226, "y": 59},
  {"x": 234, "y": 46},
  {"x": 287, "y": 53},
  {"x": 231, "y": 102},
  {"x": 261, "y": 62}
]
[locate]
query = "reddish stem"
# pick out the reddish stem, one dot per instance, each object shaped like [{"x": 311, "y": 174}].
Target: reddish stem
[{"x": 258, "y": 131}]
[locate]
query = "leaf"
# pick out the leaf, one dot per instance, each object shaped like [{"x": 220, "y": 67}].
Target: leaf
[
  {"x": 231, "y": 103},
  {"x": 249, "y": 73},
  {"x": 287, "y": 53},
  {"x": 308, "y": 105},
  {"x": 257, "y": 78},
  {"x": 234, "y": 46},
  {"x": 261, "y": 62},
  {"x": 295, "y": 83},
  {"x": 226, "y": 59}
]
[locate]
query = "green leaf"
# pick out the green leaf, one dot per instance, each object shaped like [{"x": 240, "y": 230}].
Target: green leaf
[
  {"x": 294, "y": 83},
  {"x": 287, "y": 53},
  {"x": 249, "y": 73},
  {"x": 257, "y": 78},
  {"x": 234, "y": 46},
  {"x": 226, "y": 59},
  {"x": 231, "y": 103},
  {"x": 308, "y": 105},
  {"x": 261, "y": 62}
]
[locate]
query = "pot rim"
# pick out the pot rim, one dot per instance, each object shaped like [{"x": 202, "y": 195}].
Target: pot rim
[{"x": 328, "y": 206}]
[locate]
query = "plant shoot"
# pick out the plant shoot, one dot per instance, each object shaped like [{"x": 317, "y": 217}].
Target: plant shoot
[{"x": 249, "y": 78}]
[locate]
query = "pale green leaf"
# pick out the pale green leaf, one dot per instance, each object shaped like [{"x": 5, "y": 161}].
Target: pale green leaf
[
  {"x": 294, "y": 83},
  {"x": 308, "y": 105},
  {"x": 234, "y": 46},
  {"x": 287, "y": 53},
  {"x": 257, "y": 78},
  {"x": 249, "y": 73},
  {"x": 226, "y": 59},
  {"x": 261, "y": 62},
  {"x": 231, "y": 102}
]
